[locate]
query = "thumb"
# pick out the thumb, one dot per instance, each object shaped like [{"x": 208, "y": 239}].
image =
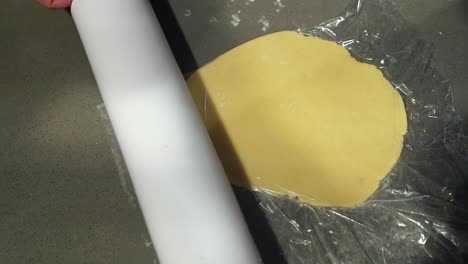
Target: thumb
[{"x": 55, "y": 3}]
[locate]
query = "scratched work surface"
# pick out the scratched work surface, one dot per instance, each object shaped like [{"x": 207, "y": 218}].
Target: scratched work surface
[{"x": 61, "y": 200}]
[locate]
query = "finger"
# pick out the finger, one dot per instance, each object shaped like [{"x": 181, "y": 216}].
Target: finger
[{"x": 55, "y": 3}]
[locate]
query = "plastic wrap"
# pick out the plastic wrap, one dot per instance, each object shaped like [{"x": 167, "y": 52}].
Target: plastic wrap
[{"x": 420, "y": 213}]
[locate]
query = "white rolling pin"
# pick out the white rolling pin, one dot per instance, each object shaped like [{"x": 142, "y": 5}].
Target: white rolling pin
[{"x": 187, "y": 202}]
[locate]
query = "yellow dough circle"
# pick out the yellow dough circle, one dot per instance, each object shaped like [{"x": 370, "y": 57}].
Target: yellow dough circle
[{"x": 298, "y": 115}]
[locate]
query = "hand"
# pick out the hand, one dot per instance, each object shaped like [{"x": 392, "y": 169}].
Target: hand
[{"x": 56, "y": 3}]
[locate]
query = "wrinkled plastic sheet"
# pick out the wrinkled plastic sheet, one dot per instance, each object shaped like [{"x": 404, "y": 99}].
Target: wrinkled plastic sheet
[{"x": 419, "y": 214}]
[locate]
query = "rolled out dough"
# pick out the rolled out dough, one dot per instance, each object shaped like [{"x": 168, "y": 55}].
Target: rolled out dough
[{"x": 298, "y": 115}]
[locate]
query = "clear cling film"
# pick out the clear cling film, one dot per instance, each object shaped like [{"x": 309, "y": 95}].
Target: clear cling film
[{"x": 419, "y": 214}]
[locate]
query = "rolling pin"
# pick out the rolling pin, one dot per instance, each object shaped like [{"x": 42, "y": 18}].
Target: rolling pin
[{"x": 188, "y": 205}]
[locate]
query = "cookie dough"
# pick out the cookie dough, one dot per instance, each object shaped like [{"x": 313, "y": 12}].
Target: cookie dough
[{"x": 299, "y": 116}]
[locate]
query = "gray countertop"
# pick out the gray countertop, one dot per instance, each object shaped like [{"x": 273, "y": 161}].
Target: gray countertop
[{"x": 61, "y": 200}]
